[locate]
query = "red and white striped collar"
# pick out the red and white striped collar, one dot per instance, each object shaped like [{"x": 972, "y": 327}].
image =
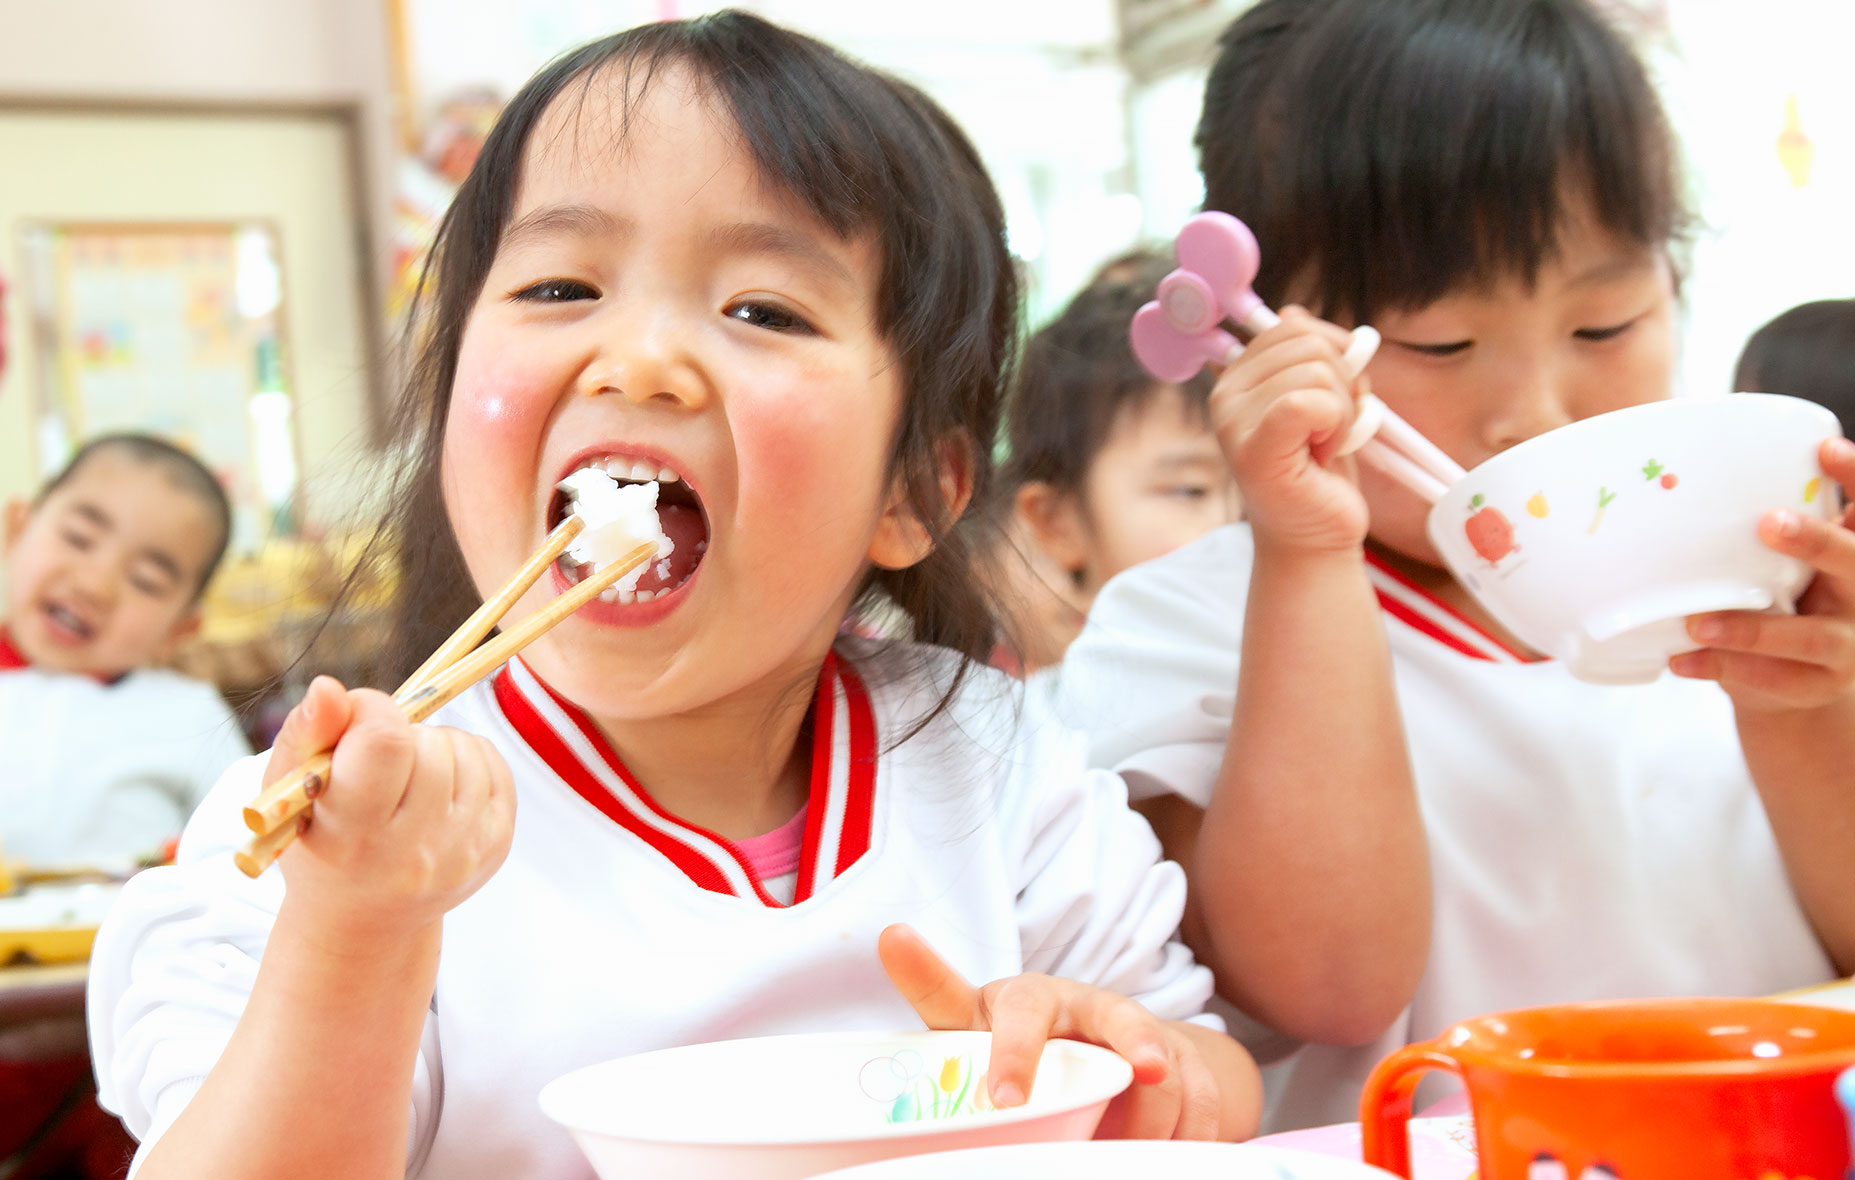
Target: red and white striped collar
[
  {"x": 1429, "y": 615},
  {"x": 839, "y": 814}
]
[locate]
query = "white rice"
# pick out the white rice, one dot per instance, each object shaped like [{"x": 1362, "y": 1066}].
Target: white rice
[{"x": 619, "y": 518}]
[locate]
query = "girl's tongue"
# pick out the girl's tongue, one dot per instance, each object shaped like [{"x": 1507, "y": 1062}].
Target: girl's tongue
[{"x": 686, "y": 528}]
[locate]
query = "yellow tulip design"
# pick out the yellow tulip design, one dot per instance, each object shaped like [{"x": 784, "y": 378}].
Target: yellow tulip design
[
  {"x": 1811, "y": 489},
  {"x": 1537, "y": 506},
  {"x": 950, "y": 1075}
]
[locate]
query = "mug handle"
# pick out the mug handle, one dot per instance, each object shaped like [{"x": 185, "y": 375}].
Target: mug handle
[{"x": 1385, "y": 1106}]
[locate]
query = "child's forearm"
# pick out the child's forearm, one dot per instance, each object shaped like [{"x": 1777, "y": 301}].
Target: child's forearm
[
  {"x": 1804, "y": 764},
  {"x": 1239, "y": 1085},
  {"x": 316, "y": 1080},
  {"x": 1312, "y": 873}
]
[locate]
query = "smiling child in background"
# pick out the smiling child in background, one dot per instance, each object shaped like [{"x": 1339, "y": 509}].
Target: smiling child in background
[{"x": 103, "y": 755}]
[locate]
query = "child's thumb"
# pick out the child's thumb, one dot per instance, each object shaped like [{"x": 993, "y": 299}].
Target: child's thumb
[{"x": 312, "y": 728}]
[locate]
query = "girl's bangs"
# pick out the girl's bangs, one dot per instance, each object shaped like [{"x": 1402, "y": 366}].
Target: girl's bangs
[{"x": 1448, "y": 147}]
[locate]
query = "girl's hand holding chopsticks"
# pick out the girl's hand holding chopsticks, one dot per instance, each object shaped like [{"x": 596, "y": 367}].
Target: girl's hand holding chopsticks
[
  {"x": 421, "y": 816},
  {"x": 1282, "y": 410}
]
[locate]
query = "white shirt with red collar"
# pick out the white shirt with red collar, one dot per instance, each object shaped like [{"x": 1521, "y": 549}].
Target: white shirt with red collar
[
  {"x": 614, "y": 928},
  {"x": 1586, "y": 842},
  {"x": 96, "y": 773}
]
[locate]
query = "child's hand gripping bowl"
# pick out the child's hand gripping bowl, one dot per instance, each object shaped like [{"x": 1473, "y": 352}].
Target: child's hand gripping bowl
[{"x": 1174, "y": 1093}]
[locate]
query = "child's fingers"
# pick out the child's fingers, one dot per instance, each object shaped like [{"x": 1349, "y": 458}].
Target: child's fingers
[
  {"x": 1760, "y": 681},
  {"x": 1269, "y": 358},
  {"x": 935, "y": 990},
  {"x": 1293, "y": 423},
  {"x": 1837, "y": 456},
  {"x": 1200, "y": 1100},
  {"x": 1828, "y": 546},
  {"x": 1805, "y": 639},
  {"x": 316, "y": 723},
  {"x": 432, "y": 785},
  {"x": 373, "y": 763},
  {"x": 1022, "y": 1012},
  {"x": 1112, "y": 1020}
]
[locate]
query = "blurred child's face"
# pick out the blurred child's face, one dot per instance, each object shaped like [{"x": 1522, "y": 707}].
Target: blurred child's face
[
  {"x": 1479, "y": 371},
  {"x": 102, "y": 574},
  {"x": 1158, "y": 483},
  {"x": 654, "y": 305}
]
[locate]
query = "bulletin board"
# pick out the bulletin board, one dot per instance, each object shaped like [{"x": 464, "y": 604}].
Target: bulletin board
[{"x": 177, "y": 330}]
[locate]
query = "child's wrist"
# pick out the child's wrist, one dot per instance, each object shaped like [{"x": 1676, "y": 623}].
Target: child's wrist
[{"x": 355, "y": 935}]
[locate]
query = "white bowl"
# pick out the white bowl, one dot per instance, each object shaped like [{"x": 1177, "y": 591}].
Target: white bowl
[
  {"x": 1118, "y": 1160},
  {"x": 1595, "y": 541},
  {"x": 775, "y": 1108}
]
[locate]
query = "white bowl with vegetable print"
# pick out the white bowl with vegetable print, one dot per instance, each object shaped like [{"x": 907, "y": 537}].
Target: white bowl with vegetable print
[
  {"x": 1594, "y": 542},
  {"x": 783, "y": 1108}
]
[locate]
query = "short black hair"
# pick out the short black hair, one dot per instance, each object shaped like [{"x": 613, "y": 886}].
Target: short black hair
[
  {"x": 1389, "y": 152},
  {"x": 1808, "y": 352},
  {"x": 1078, "y": 374},
  {"x": 182, "y": 469}
]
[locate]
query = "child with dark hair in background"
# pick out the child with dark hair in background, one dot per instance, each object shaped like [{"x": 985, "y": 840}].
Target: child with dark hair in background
[
  {"x": 1394, "y": 815},
  {"x": 1807, "y": 352},
  {"x": 103, "y": 754},
  {"x": 1106, "y": 467},
  {"x": 720, "y": 257}
]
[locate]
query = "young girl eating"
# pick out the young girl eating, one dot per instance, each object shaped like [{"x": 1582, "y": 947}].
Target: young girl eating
[
  {"x": 1490, "y": 184},
  {"x": 717, "y": 256}
]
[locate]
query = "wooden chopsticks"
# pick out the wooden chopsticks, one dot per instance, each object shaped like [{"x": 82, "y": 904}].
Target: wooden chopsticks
[{"x": 277, "y": 814}]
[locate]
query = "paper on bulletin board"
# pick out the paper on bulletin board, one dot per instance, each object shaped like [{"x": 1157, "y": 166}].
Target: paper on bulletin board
[{"x": 157, "y": 330}]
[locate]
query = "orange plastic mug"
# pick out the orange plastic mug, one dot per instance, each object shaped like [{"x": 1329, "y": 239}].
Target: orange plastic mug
[{"x": 1636, "y": 1090}]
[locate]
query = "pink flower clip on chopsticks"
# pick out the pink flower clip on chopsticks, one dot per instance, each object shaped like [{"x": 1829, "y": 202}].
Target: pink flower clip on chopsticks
[{"x": 1182, "y": 330}]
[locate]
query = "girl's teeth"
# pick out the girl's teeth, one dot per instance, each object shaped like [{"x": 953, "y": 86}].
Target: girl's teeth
[
  {"x": 636, "y": 470},
  {"x": 646, "y": 595}
]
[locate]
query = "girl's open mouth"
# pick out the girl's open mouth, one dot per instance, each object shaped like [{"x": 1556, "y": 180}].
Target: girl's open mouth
[{"x": 679, "y": 513}]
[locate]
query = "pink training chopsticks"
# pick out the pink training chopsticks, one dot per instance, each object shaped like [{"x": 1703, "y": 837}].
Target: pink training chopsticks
[{"x": 1181, "y": 331}]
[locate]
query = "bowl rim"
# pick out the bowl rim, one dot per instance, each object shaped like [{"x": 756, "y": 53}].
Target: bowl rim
[
  {"x": 1687, "y": 403},
  {"x": 550, "y": 1099}
]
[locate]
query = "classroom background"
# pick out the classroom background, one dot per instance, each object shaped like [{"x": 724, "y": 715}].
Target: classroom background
[{"x": 212, "y": 214}]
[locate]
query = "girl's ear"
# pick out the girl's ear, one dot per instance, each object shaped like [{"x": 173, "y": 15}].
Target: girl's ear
[
  {"x": 18, "y": 512},
  {"x": 902, "y": 537},
  {"x": 1053, "y": 522}
]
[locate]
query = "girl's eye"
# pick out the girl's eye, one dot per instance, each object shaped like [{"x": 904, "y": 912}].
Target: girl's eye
[
  {"x": 1604, "y": 333},
  {"x": 555, "y": 291},
  {"x": 147, "y": 587},
  {"x": 1449, "y": 349},
  {"x": 767, "y": 315},
  {"x": 1187, "y": 493},
  {"x": 77, "y": 541}
]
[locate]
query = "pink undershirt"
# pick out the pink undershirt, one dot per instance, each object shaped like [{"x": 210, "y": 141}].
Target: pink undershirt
[{"x": 776, "y": 854}]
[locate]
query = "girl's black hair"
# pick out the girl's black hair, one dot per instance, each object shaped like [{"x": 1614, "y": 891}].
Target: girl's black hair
[
  {"x": 863, "y": 153},
  {"x": 1079, "y": 373},
  {"x": 1808, "y": 352},
  {"x": 1389, "y": 152}
]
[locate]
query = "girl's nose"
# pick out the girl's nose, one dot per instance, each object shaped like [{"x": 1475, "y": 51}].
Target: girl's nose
[
  {"x": 647, "y": 362},
  {"x": 1531, "y": 400}
]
